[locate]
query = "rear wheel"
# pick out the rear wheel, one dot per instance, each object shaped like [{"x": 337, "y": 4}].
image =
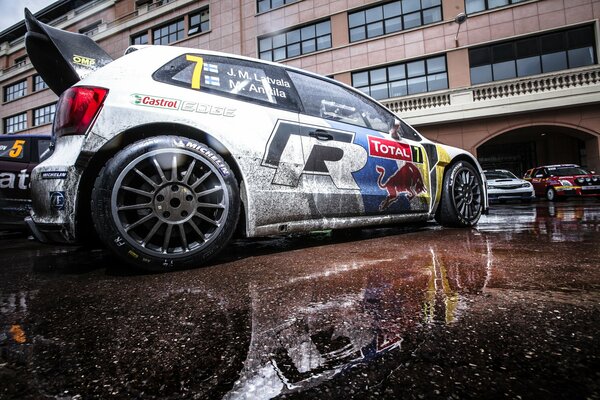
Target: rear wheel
[
  {"x": 166, "y": 202},
  {"x": 462, "y": 200}
]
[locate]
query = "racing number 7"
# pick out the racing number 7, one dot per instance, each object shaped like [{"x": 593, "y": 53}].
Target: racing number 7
[
  {"x": 16, "y": 149},
  {"x": 197, "y": 70}
]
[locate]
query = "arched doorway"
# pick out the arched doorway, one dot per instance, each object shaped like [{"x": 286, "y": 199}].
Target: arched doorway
[{"x": 526, "y": 147}]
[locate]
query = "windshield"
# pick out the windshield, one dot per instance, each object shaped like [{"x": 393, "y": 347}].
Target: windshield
[
  {"x": 566, "y": 171},
  {"x": 491, "y": 175}
]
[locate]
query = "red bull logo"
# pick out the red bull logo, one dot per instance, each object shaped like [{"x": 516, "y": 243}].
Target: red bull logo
[{"x": 406, "y": 180}]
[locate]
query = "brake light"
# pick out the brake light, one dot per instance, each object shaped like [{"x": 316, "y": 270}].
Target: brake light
[{"x": 76, "y": 110}]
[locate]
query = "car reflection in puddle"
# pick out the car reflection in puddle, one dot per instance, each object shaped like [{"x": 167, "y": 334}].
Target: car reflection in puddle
[
  {"x": 308, "y": 329},
  {"x": 558, "y": 222}
]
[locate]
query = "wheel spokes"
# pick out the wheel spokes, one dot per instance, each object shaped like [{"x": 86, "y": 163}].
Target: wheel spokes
[{"x": 173, "y": 202}]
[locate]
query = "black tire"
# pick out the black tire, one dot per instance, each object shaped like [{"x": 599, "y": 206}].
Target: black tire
[
  {"x": 165, "y": 203},
  {"x": 462, "y": 199},
  {"x": 551, "y": 194}
]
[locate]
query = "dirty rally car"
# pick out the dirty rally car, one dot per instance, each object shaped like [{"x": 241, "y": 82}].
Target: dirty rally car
[{"x": 166, "y": 152}]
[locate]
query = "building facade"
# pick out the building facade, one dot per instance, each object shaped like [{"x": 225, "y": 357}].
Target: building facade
[{"x": 515, "y": 82}]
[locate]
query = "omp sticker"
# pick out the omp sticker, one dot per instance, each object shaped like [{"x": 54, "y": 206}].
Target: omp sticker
[
  {"x": 84, "y": 61},
  {"x": 54, "y": 174},
  {"x": 155, "y": 101}
]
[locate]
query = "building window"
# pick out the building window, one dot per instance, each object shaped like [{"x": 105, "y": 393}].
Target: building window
[
  {"x": 168, "y": 33},
  {"x": 141, "y": 38},
  {"x": 473, "y": 6},
  {"x": 44, "y": 115},
  {"x": 292, "y": 43},
  {"x": 19, "y": 62},
  {"x": 91, "y": 29},
  {"x": 15, "y": 123},
  {"x": 38, "y": 83},
  {"x": 426, "y": 75},
  {"x": 393, "y": 17},
  {"x": 533, "y": 55},
  {"x": 199, "y": 22},
  {"x": 15, "y": 90},
  {"x": 266, "y": 5}
]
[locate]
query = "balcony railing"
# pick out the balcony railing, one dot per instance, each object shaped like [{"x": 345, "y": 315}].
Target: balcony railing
[{"x": 539, "y": 84}]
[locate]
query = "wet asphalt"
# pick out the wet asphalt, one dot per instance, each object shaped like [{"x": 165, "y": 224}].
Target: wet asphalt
[{"x": 510, "y": 309}]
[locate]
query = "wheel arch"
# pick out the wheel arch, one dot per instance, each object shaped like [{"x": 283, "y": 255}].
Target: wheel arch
[{"x": 94, "y": 165}]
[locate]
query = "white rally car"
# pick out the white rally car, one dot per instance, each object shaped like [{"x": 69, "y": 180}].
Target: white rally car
[{"x": 167, "y": 151}]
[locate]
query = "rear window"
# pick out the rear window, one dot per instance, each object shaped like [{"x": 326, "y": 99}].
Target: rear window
[
  {"x": 243, "y": 80},
  {"x": 14, "y": 149}
]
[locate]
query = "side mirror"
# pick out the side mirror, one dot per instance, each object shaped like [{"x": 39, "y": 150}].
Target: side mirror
[{"x": 395, "y": 132}]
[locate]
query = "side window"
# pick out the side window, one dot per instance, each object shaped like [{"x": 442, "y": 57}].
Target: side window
[
  {"x": 14, "y": 150},
  {"x": 43, "y": 146},
  {"x": 239, "y": 79},
  {"x": 329, "y": 101},
  {"x": 409, "y": 132}
]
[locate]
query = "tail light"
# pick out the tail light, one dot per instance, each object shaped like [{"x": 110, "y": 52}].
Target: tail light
[{"x": 76, "y": 110}]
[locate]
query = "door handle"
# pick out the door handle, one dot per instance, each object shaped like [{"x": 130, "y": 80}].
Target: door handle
[{"x": 320, "y": 134}]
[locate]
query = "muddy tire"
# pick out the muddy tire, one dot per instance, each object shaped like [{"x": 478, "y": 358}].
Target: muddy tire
[
  {"x": 165, "y": 203},
  {"x": 462, "y": 199}
]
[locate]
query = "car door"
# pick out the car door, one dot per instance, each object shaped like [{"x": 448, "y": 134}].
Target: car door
[
  {"x": 538, "y": 180},
  {"x": 355, "y": 165}
]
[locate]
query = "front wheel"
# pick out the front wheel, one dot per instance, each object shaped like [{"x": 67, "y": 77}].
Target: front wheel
[
  {"x": 551, "y": 194},
  {"x": 166, "y": 202},
  {"x": 462, "y": 199}
]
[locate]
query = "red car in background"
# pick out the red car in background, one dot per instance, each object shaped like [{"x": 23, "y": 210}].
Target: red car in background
[
  {"x": 19, "y": 154},
  {"x": 559, "y": 181}
]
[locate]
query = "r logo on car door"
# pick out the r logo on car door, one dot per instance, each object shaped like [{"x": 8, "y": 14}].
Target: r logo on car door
[{"x": 295, "y": 149}]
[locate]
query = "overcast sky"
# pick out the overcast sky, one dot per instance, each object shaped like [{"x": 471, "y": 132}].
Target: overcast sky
[{"x": 12, "y": 10}]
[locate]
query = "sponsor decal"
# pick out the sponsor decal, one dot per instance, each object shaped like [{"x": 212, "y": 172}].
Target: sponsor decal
[
  {"x": 391, "y": 149},
  {"x": 192, "y": 106},
  {"x": 11, "y": 180},
  {"x": 57, "y": 200},
  {"x": 294, "y": 150},
  {"x": 54, "y": 174},
  {"x": 407, "y": 180},
  {"x": 133, "y": 254},
  {"x": 155, "y": 101},
  {"x": 84, "y": 61}
]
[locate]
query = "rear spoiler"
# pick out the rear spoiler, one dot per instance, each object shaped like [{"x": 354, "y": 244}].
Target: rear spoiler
[{"x": 61, "y": 58}]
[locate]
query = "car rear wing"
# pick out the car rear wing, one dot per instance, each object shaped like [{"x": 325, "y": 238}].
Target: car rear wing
[{"x": 61, "y": 58}]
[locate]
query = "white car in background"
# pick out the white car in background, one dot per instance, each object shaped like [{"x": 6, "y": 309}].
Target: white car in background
[{"x": 503, "y": 185}]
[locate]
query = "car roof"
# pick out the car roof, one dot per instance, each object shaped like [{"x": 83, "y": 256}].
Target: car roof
[{"x": 558, "y": 165}]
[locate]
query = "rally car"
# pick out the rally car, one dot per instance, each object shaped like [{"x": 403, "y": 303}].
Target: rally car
[
  {"x": 19, "y": 154},
  {"x": 168, "y": 151},
  {"x": 559, "y": 181},
  {"x": 503, "y": 185}
]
